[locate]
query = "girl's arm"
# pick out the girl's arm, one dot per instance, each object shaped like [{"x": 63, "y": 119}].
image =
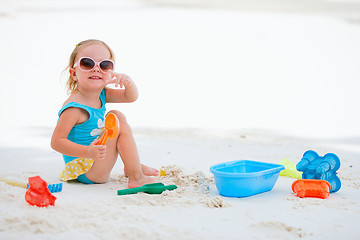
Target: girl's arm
[
  {"x": 60, "y": 143},
  {"x": 125, "y": 95}
]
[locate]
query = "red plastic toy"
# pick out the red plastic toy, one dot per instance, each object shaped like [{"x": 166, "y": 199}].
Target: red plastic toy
[
  {"x": 311, "y": 188},
  {"x": 38, "y": 193}
]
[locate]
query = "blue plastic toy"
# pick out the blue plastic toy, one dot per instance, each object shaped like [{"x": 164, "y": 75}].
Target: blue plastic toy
[
  {"x": 314, "y": 166},
  {"x": 245, "y": 178}
]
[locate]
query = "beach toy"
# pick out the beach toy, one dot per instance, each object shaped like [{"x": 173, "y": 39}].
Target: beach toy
[
  {"x": 245, "y": 178},
  {"x": 52, "y": 187},
  {"x": 290, "y": 169},
  {"x": 162, "y": 173},
  {"x": 323, "y": 168},
  {"x": 311, "y": 188},
  {"x": 152, "y": 188},
  {"x": 38, "y": 193},
  {"x": 111, "y": 128}
]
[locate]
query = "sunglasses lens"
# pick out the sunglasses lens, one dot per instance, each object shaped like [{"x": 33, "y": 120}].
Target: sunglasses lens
[
  {"x": 87, "y": 64},
  {"x": 106, "y": 65}
]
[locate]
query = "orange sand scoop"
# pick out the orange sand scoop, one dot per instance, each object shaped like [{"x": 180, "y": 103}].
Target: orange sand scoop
[
  {"x": 311, "y": 188},
  {"x": 111, "y": 128}
]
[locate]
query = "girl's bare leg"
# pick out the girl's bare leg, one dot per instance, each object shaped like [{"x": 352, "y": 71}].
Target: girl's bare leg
[
  {"x": 123, "y": 144},
  {"x": 127, "y": 149}
]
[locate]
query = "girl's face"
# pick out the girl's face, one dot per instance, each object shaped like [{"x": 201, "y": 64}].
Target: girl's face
[{"x": 95, "y": 78}]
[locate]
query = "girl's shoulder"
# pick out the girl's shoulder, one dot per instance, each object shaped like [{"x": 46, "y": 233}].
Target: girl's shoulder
[
  {"x": 71, "y": 105},
  {"x": 77, "y": 98},
  {"x": 72, "y": 98},
  {"x": 73, "y": 109}
]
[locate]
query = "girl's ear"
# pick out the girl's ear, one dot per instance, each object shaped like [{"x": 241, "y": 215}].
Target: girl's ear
[{"x": 73, "y": 73}]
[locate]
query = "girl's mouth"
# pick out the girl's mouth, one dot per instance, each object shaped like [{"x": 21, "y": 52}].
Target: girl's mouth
[{"x": 95, "y": 78}]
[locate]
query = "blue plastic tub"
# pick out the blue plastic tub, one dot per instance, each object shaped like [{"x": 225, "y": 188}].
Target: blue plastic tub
[{"x": 245, "y": 178}]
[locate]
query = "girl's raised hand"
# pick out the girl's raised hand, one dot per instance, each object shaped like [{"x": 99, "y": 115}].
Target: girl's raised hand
[{"x": 120, "y": 79}]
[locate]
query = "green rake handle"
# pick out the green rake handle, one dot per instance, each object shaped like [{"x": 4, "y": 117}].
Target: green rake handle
[{"x": 152, "y": 188}]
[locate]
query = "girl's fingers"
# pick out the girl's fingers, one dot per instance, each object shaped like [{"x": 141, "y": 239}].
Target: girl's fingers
[
  {"x": 113, "y": 81},
  {"x": 119, "y": 79},
  {"x": 127, "y": 82},
  {"x": 109, "y": 81},
  {"x": 113, "y": 74},
  {"x": 122, "y": 82}
]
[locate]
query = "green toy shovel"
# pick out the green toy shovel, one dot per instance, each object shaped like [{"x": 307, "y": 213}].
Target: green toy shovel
[{"x": 152, "y": 188}]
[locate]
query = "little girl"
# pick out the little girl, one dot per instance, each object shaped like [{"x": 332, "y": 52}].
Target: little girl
[{"x": 81, "y": 119}]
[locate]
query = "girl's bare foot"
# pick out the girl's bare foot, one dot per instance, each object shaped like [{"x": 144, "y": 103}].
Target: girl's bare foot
[
  {"x": 147, "y": 171},
  {"x": 140, "y": 181}
]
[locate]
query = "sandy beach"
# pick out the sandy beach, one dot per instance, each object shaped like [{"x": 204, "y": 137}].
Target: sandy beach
[
  {"x": 195, "y": 209},
  {"x": 218, "y": 81}
]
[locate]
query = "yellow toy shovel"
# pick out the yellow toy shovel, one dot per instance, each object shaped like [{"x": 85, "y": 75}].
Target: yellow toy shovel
[{"x": 52, "y": 187}]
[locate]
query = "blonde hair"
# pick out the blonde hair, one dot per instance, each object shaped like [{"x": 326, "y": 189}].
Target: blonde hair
[{"x": 71, "y": 84}]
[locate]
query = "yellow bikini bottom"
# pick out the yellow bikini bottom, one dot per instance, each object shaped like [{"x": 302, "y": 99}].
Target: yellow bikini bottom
[{"x": 75, "y": 168}]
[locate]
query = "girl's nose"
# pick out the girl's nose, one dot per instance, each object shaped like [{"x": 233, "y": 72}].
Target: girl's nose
[{"x": 96, "y": 68}]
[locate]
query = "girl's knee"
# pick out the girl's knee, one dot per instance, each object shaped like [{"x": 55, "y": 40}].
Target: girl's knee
[
  {"x": 119, "y": 115},
  {"x": 124, "y": 127}
]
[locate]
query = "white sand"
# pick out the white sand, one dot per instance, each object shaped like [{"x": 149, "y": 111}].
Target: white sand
[
  {"x": 260, "y": 82},
  {"x": 194, "y": 210}
]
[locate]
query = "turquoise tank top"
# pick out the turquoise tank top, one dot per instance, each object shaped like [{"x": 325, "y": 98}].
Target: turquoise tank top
[{"x": 85, "y": 133}]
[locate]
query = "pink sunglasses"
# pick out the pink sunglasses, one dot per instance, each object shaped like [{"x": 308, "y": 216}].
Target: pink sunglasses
[{"x": 88, "y": 64}]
